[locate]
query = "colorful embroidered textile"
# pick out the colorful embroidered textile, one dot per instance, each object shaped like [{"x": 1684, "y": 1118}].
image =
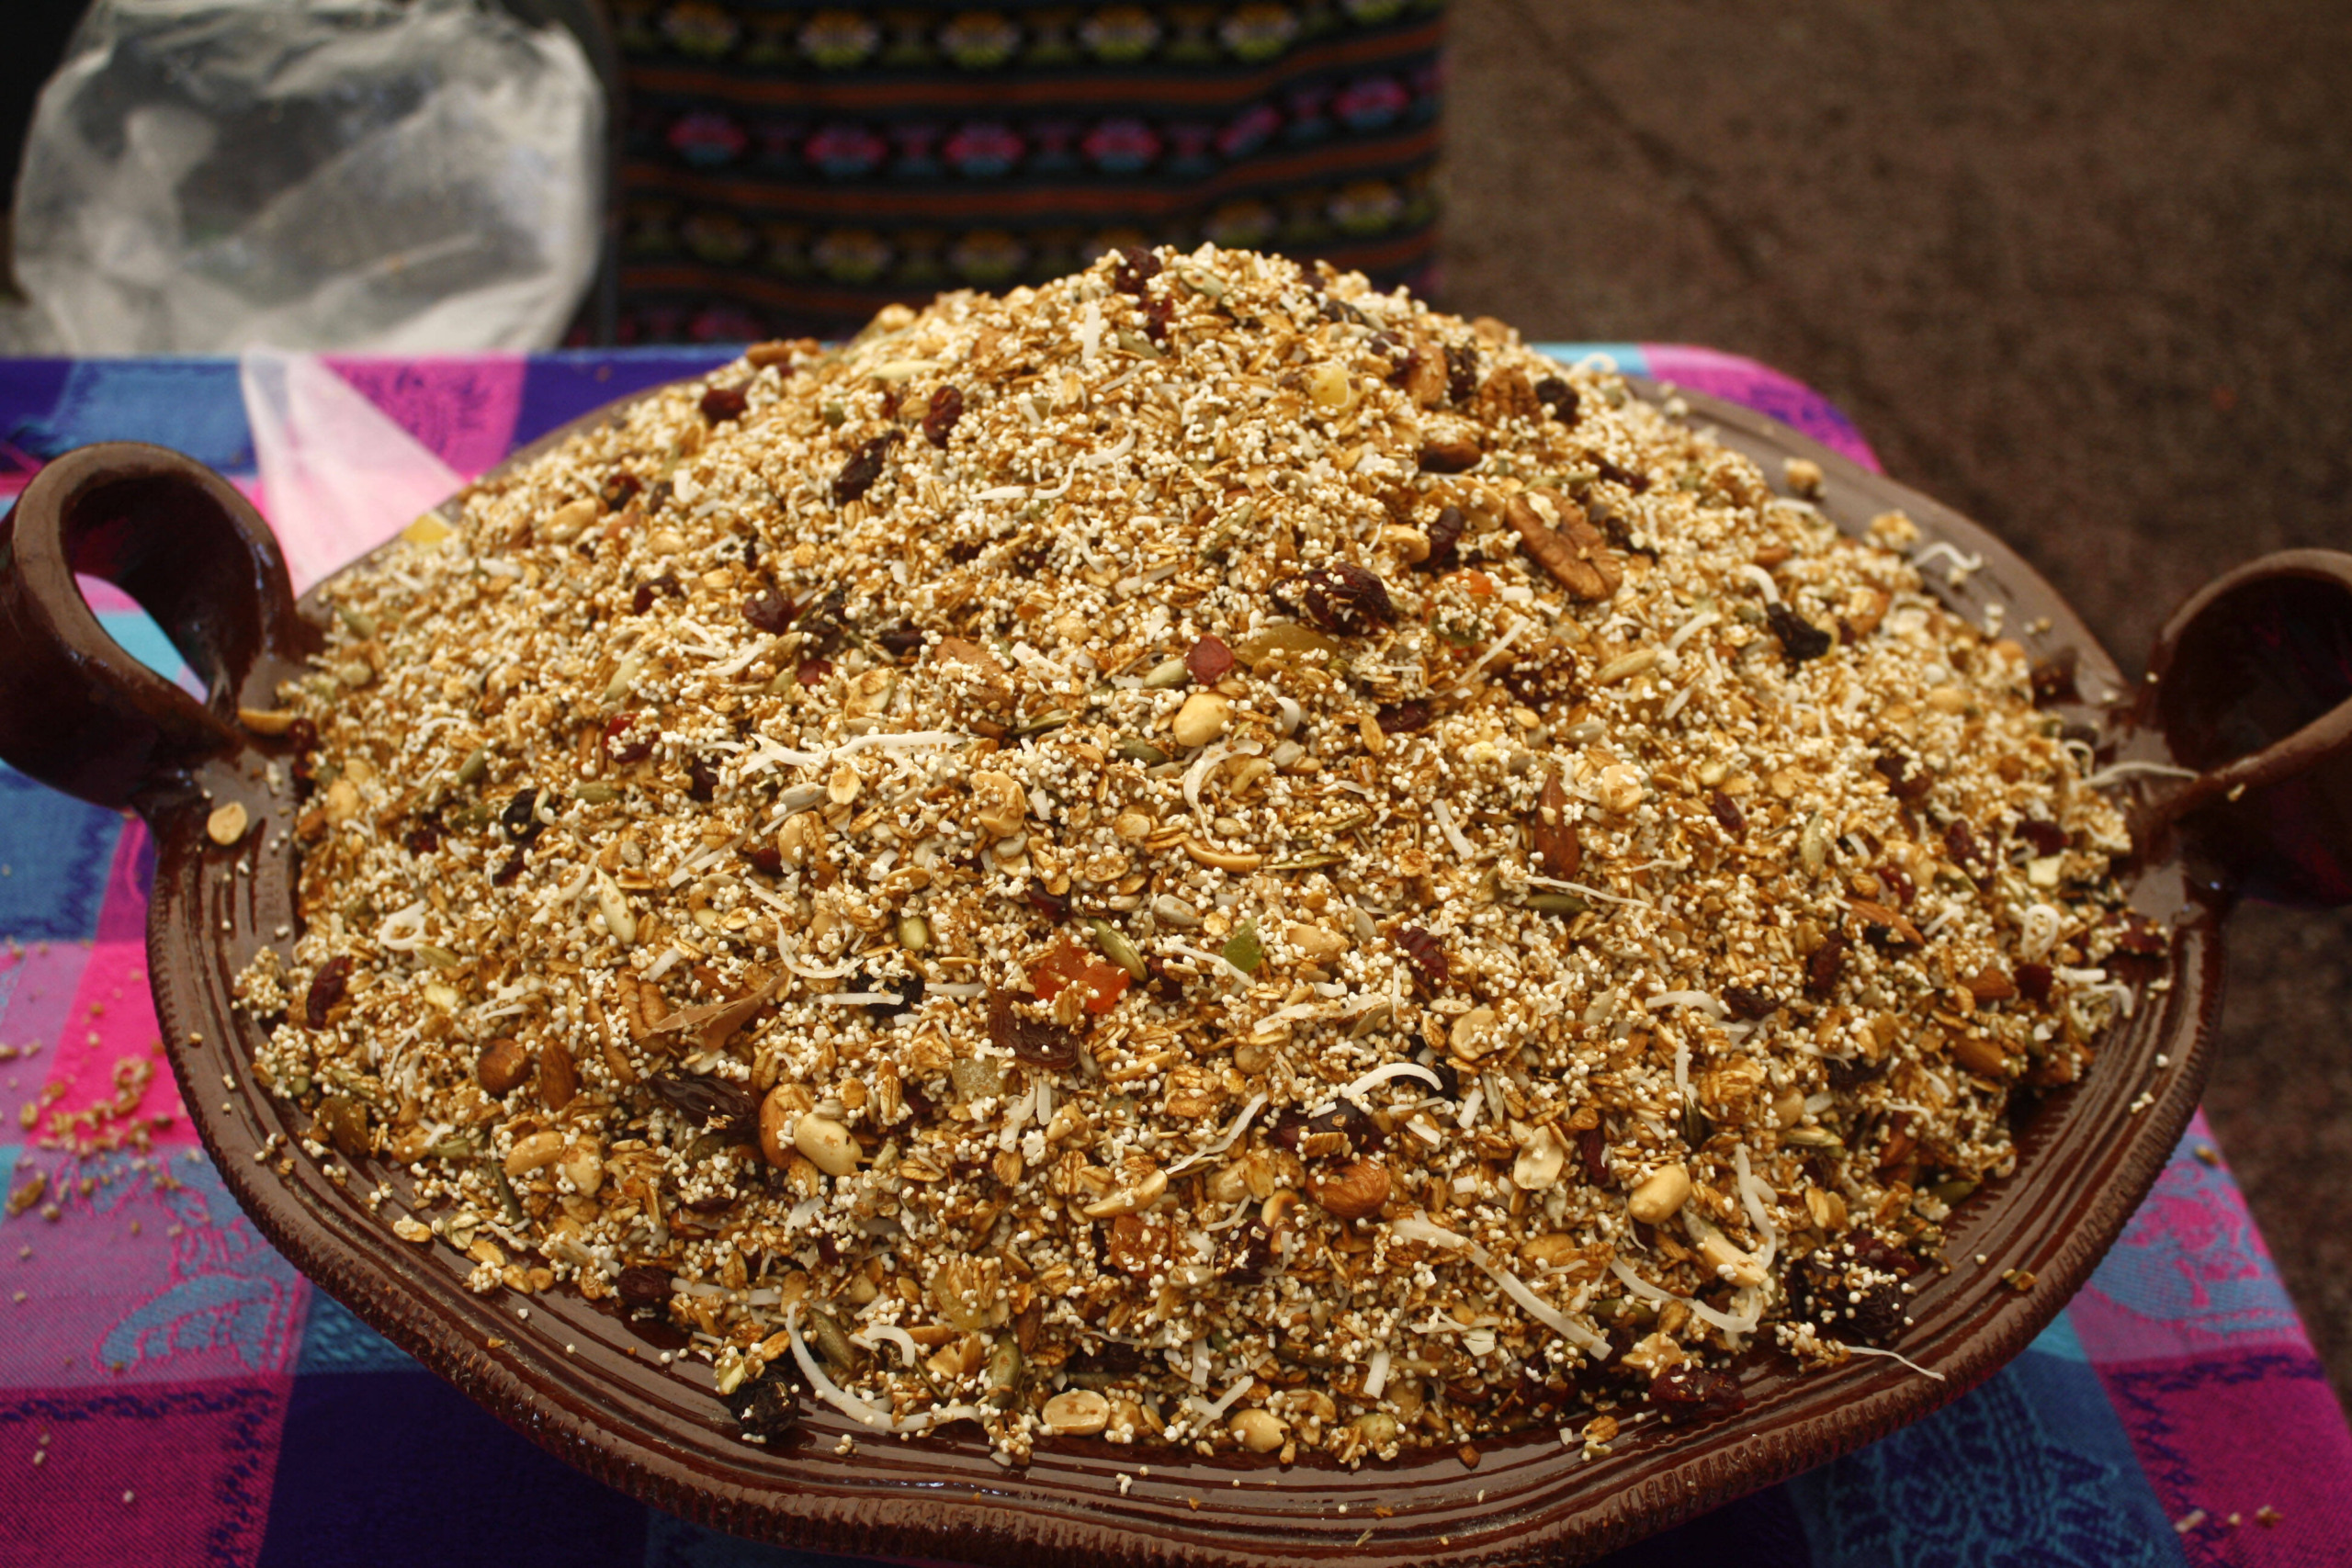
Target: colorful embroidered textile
[
  {"x": 791, "y": 168},
  {"x": 172, "y": 1392}
]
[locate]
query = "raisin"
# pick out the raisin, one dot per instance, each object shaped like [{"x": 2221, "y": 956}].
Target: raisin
[
  {"x": 1897, "y": 881},
  {"x": 768, "y": 611},
  {"x": 642, "y": 599},
  {"x": 1903, "y": 783},
  {"x": 625, "y": 750},
  {"x": 1695, "y": 1394},
  {"x": 938, "y": 419},
  {"x": 505, "y": 875},
  {"x": 769, "y": 1404},
  {"x": 327, "y": 988},
  {"x": 864, "y": 467},
  {"x": 1448, "y": 1079},
  {"x": 1967, "y": 853},
  {"x": 964, "y": 550},
  {"x": 1461, "y": 373},
  {"x": 1137, "y": 266},
  {"x": 425, "y": 836},
  {"x": 642, "y": 1286},
  {"x": 1054, "y": 906},
  {"x": 751, "y": 555},
  {"x": 1425, "y": 954},
  {"x": 2033, "y": 982},
  {"x": 1747, "y": 1002},
  {"x": 1248, "y": 1251},
  {"x": 813, "y": 672},
  {"x": 1592, "y": 1154},
  {"x": 1209, "y": 660},
  {"x": 1617, "y": 473},
  {"x": 1800, "y": 639},
  {"x": 1558, "y": 398},
  {"x": 1445, "y": 536},
  {"x": 521, "y": 817},
  {"x": 766, "y": 859},
  {"x": 1850, "y": 1072},
  {"x": 1878, "y": 1253},
  {"x": 706, "y": 1100},
  {"x": 1031, "y": 1040},
  {"x": 1157, "y": 314},
  {"x": 1405, "y": 717},
  {"x": 2043, "y": 838},
  {"x": 1727, "y": 812},
  {"x": 1345, "y": 599},
  {"x": 702, "y": 780},
  {"x": 901, "y": 641},
  {"x": 620, "y": 489},
  {"x": 720, "y": 404},
  {"x": 1822, "y": 969},
  {"x": 908, "y": 989}
]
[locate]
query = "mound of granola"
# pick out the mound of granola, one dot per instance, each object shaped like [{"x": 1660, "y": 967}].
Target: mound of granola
[{"x": 1199, "y": 854}]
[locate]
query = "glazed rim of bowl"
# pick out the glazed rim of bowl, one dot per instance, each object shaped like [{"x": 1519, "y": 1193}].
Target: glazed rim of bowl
[{"x": 592, "y": 1386}]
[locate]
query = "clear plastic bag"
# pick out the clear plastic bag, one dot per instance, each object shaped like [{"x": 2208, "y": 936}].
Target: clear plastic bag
[{"x": 203, "y": 175}]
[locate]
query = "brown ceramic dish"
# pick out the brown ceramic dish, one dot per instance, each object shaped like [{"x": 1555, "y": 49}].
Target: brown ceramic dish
[{"x": 2256, "y": 689}]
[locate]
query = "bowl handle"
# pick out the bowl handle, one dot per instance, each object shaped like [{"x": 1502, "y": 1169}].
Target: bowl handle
[
  {"x": 77, "y": 712},
  {"x": 2250, "y": 684}
]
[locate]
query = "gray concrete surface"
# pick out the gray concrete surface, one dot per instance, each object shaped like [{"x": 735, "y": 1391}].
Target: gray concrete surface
[{"x": 2082, "y": 268}]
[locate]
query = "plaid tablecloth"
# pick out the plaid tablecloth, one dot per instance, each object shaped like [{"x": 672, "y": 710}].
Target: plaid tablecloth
[{"x": 172, "y": 1392}]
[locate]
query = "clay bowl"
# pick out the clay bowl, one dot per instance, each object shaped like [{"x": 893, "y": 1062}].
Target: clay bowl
[{"x": 2255, "y": 675}]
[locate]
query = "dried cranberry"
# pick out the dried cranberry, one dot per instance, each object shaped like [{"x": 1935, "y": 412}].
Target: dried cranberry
[
  {"x": 2043, "y": 838},
  {"x": 620, "y": 489},
  {"x": 424, "y": 836},
  {"x": 751, "y": 555},
  {"x": 640, "y": 1286},
  {"x": 1747, "y": 1002},
  {"x": 864, "y": 467},
  {"x": 327, "y": 988},
  {"x": 702, "y": 780},
  {"x": 1800, "y": 639},
  {"x": 939, "y": 419},
  {"x": 1424, "y": 954},
  {"x": 301, "y": 736},
  {"x": 1031, "y": 1040},
  {"x": 768, "y": 611},
  {"x": 642, "y": 599},
  {"x": 1558, "y": 397},
  {"x": 813, "y": 672},
  {"x": 1461, "y": 373},
  {"x": 1053, "y": 906},
  {"x": 1345, "y": 599},
  {"x": 720, "y": 404},
  {"x": 1897, "y": 881},
  {"x": 2140, "y": 936},
  {"x": 1727, "y": 812},
  {"x": 1694, "y": 1393},
  {"x": 766, "y": 859},
  {"x": 625, "y": 750},
  {"x": 1876, "y": 1251},
  {"x": 964, "y": 550},
  {"x": 505, "y": 875},
  {"x": 1445, "y": 535},
  {"x": 2033, "y": 982},
  {"x": 1402, "y": 718},
  {"x": 1822, "y": 969},
  {"x": 1136, "y": 266},
  {"x": 901, "y": 641},
  {"x": 1157, "y": 314},
  {"x": 1209, "y": 660}
]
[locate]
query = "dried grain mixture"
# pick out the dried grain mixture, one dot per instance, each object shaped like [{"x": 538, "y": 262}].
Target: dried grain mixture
[{"x": 1200, "y": 854}]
